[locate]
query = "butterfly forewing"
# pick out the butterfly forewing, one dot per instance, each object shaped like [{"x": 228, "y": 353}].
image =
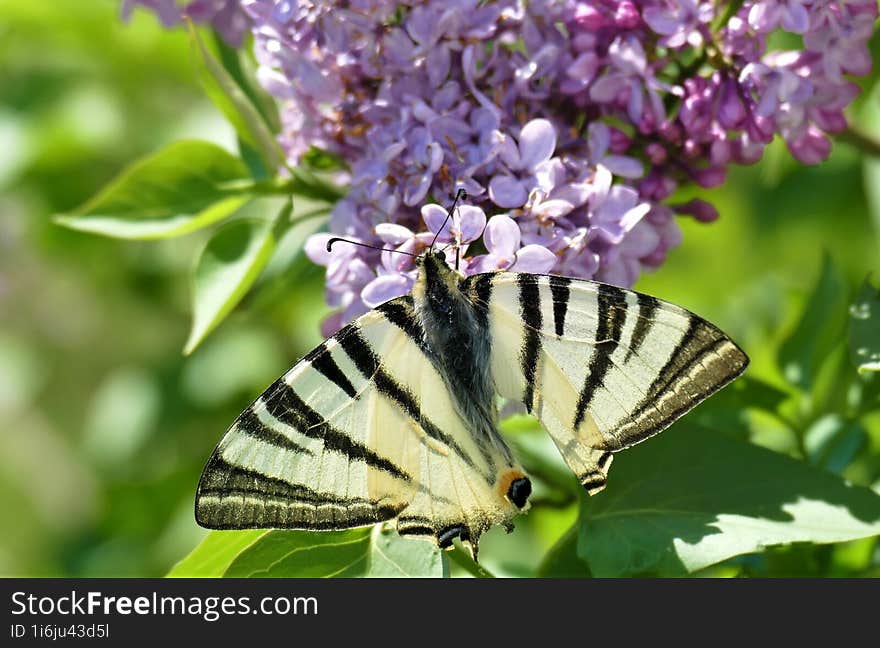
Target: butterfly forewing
[
  {"x": 601, "y": 367},
  {"x": 361, "y": 430}
]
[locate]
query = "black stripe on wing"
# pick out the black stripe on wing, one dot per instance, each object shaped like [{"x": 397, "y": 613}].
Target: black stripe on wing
[
  {"x": 609, "y": 328},
  {"x": 530, "y": 311},
  {"x": 322, "y": 360},
  {"x": 365, "y": 359},
  {"x": 234, "y": 497},
  {"x": 647, "y": 309},
  {"x": 480, "y": 291},
  {"x": 288, "y": 407},
  {"x": 401, "y": 313},
  {"x": 699, "y": 342},
  {"x": 561, "y": 294},
  {"x": 249, "y": 423},
  {"x": 673, "y": 393}
]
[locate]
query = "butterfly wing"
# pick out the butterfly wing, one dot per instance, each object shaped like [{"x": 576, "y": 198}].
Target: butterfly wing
[
  {"x": 360, "y": 431},
  {"x": 602, "y": 368}
]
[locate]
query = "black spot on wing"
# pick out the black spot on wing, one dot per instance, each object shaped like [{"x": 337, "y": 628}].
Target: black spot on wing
[
  {"x": 560, "y": 292},
  {"x": 611, "y": 317},
  {"x": 322, "y": 360},
  {"x": 287, "y": 406},
  {"x": 530, "y": 311},
  {"x": 519, "y": 491}
]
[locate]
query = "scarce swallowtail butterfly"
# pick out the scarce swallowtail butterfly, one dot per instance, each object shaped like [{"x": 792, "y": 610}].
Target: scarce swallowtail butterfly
[{"x": 395, "y": 416}]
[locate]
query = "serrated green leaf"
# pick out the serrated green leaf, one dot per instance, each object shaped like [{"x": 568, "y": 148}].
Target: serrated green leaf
[
  {"x": 691, "y": 498},
  {"x": 213, "y": 555},
  {"x": 227, "y": 268},
  {"x": 819, "y": 329},
  {"x": 184, "y": 187},
  {"x": 365, "y": 552},
  {"x": 864, "y": 329},
  {"x": 235, "y": 105}
]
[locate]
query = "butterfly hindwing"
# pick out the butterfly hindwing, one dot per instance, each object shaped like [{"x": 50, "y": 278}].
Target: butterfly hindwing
[
  {"x": 601, "y": 367},
  {"x": 362, "y": 430}
]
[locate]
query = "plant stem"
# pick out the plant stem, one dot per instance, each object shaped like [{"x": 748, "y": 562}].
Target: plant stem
[
  {"x": 862, "y": 141},
  {"x": 461, "y": 558},
  {"x": 729, "y": 11}
]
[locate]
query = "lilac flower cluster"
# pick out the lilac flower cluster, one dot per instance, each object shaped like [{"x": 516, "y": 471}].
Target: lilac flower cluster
[{"x": 570, "y": 123}]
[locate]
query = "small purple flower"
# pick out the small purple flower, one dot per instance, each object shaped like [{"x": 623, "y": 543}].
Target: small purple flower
[
  {"x": 775, "y": 84},
  {"x": 464, "y": 226},
  {"x": 680, "y": 22},
  {"x": 616, "y": 210},
  {"x": 502, "y": 240},
  {"x": 226, "y": 16},
  {"x": 534, "y": 147},
  {"x": 793, "y": 15},
  {"x": 598, "y": 144},
  {"x": 397, "y": 272},
  {"x": 631, "y": 80}
]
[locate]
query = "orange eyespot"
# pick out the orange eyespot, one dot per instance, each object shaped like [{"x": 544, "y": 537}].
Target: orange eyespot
[{"x": 515, "y": 486}]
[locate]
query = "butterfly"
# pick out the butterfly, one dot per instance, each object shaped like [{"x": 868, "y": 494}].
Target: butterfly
[{"x": 395, "y": 417}]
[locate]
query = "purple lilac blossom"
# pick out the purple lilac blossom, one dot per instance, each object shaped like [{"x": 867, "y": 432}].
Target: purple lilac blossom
[
  {"x": 225, "y": 16},
  {"x": 570, "y": 123}
]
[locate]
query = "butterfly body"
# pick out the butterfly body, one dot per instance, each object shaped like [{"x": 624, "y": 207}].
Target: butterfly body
[
  {"x": 454, "y": 326},
  {"x": 395, "y": 416}
]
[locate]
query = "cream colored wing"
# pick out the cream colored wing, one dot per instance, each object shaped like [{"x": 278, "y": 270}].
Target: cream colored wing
[
  {"x": 361, "y": 430},
  {"x": 601, "y": 367}
]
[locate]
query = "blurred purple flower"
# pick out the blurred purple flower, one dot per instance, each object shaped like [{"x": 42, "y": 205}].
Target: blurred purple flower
[{"x": 226, "y": 16}]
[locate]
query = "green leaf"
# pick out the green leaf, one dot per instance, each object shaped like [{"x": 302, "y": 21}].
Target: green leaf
[
  {"x": 864, "y": 329},
  {"x": 186, "y": 186},
  {"x": 366, "y": 552},
  {"x": 730, "y": 409},
  {"x": 392, "y": 556},
  {"x": 235, "y": 105},
  {"x": 690, "y": 498},
  {"x": 562, "y": 560},
  {"x": 832, "y": 442},
  {"x": 227, "y": 268},
  {"x": 240, "y": 65},
  {"x": 212, "y": 557},
  {"x": 819, "y": 329}
]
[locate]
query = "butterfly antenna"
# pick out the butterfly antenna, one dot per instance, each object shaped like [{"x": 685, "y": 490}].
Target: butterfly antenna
[
  {"x": 461, "y": 193},
  {"x": 336, "y": 239}
]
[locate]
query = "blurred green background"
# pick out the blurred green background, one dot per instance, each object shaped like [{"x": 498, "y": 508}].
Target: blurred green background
[{"x": 106, "y": 425}]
